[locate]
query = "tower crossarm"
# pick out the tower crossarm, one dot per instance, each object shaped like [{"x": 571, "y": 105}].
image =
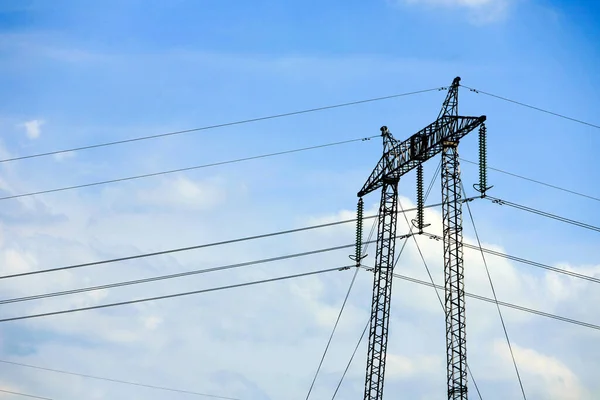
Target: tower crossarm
[{"x": 420, "y": 147}]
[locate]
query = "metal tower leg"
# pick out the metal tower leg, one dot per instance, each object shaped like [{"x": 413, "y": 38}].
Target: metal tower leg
[
  {"x": 382, "y": 290},
  {"x": 456, "y": 343}
]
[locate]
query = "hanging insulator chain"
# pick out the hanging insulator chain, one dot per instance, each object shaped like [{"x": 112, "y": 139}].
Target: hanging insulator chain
[
  {"x": 419, "y": 222},
  {"x": 359, "y": 226},
  {"x": 359, "y": 233},
  {"x": 482, "y": 187},
  {"x": 482, "y": 159},
  {"x": 420, "y": 197}
]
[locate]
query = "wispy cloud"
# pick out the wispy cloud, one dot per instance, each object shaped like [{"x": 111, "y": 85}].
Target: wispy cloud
[
  {"x": 552, "y": 374},
  {"x": 33, "y": 128},
  {"x": 63, "y": 156}
]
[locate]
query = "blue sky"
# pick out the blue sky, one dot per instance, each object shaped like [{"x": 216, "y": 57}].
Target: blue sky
[{"x": 77, "y": 73}]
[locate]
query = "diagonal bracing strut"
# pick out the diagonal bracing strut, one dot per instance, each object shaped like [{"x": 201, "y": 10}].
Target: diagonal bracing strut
[{"x": 441, "y": 136}]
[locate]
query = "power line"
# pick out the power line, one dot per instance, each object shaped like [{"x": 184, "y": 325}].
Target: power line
[
  {"x": 25, "y": 395},
  {"x": 543, "y": 213},
  {"x": 279, "y": 258},
  {"x": 172, "y": 276},
  {"x": 130, "y": 178},
  {"x": 398, "y": 276},
  {"x": 487, "y": 270},
  {"x": 502, "y": 303},
  {"x": 474, "y": 296},
  {"x": 523, "y": 260},
  {"x": 471, "y": 295},
  {"x": 117, "y": 381},
  {"x": 169, "y": 296},
  {"x": 196, "y": 247},
  {"x": 240, "y": 122},
  {"x": 533, "y": 107},
  {"x": 536, "y": 181}
]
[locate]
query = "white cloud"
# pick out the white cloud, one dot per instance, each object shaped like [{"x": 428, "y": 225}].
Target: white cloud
[
  {"x": 257, "y": 342},
  {"x": 63, "y": 156},
  {"x": 184, "y": 192},
  {"x": 33, "y": 128},
  {"x": 272, "y": 335},
  {"x": 552, "y": 375},
  {"x": 152, "y": 322},
  {"x": 402, "y": 367},
  {"x": 16, "y": 262}
]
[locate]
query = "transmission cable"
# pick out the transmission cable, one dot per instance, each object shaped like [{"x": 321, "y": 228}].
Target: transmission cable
[
  {"x": 403, "y": 277},
  {"x": 544, "y": 111},
  {"x": 237, "y": 265},
  {"x": 487, "y": 270},
  {"x": 543, "y": 213},
  {"x": 130, "y": 178},
  {"x": 366, "y": 246},
  {"x": 24, "y": 395},
  {"x": 523, "y": 260},
  {"x": 398, "y": 276},
  {"x": 502, "y": 303},
  {"x": 204, "y": 128},
  {"x": 118, "y": 381},
  {"x": 196, "y": 247},
  {"x": 177, "y": 275},
  {"x": 535, "y": 181},
  {"x": 533, "y": 107},
  {"x": 169, "y": 296},
  {"x": 172, "y": 276}
]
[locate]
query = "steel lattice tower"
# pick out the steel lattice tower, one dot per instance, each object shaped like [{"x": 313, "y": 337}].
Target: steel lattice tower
[
  {"x": 456, "y": 335},
  {"x": 441, "y": 136},
  {"x": 382, "y": 289}
]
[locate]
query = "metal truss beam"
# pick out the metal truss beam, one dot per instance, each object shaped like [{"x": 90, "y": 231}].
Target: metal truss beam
[{"x": 420, "y": 147}]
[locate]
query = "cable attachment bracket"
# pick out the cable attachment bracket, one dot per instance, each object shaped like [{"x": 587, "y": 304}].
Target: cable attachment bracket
[
  {"x": 482, "y": 186},
  {"x": 358, "y": 256},
  {"x": 419, "y": 222}
]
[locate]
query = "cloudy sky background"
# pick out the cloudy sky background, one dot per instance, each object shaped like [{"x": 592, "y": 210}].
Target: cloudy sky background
[{"x": 77, "y": 73}]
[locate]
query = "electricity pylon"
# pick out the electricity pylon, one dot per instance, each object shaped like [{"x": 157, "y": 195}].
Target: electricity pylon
[{"x": 441, "y": 136}]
